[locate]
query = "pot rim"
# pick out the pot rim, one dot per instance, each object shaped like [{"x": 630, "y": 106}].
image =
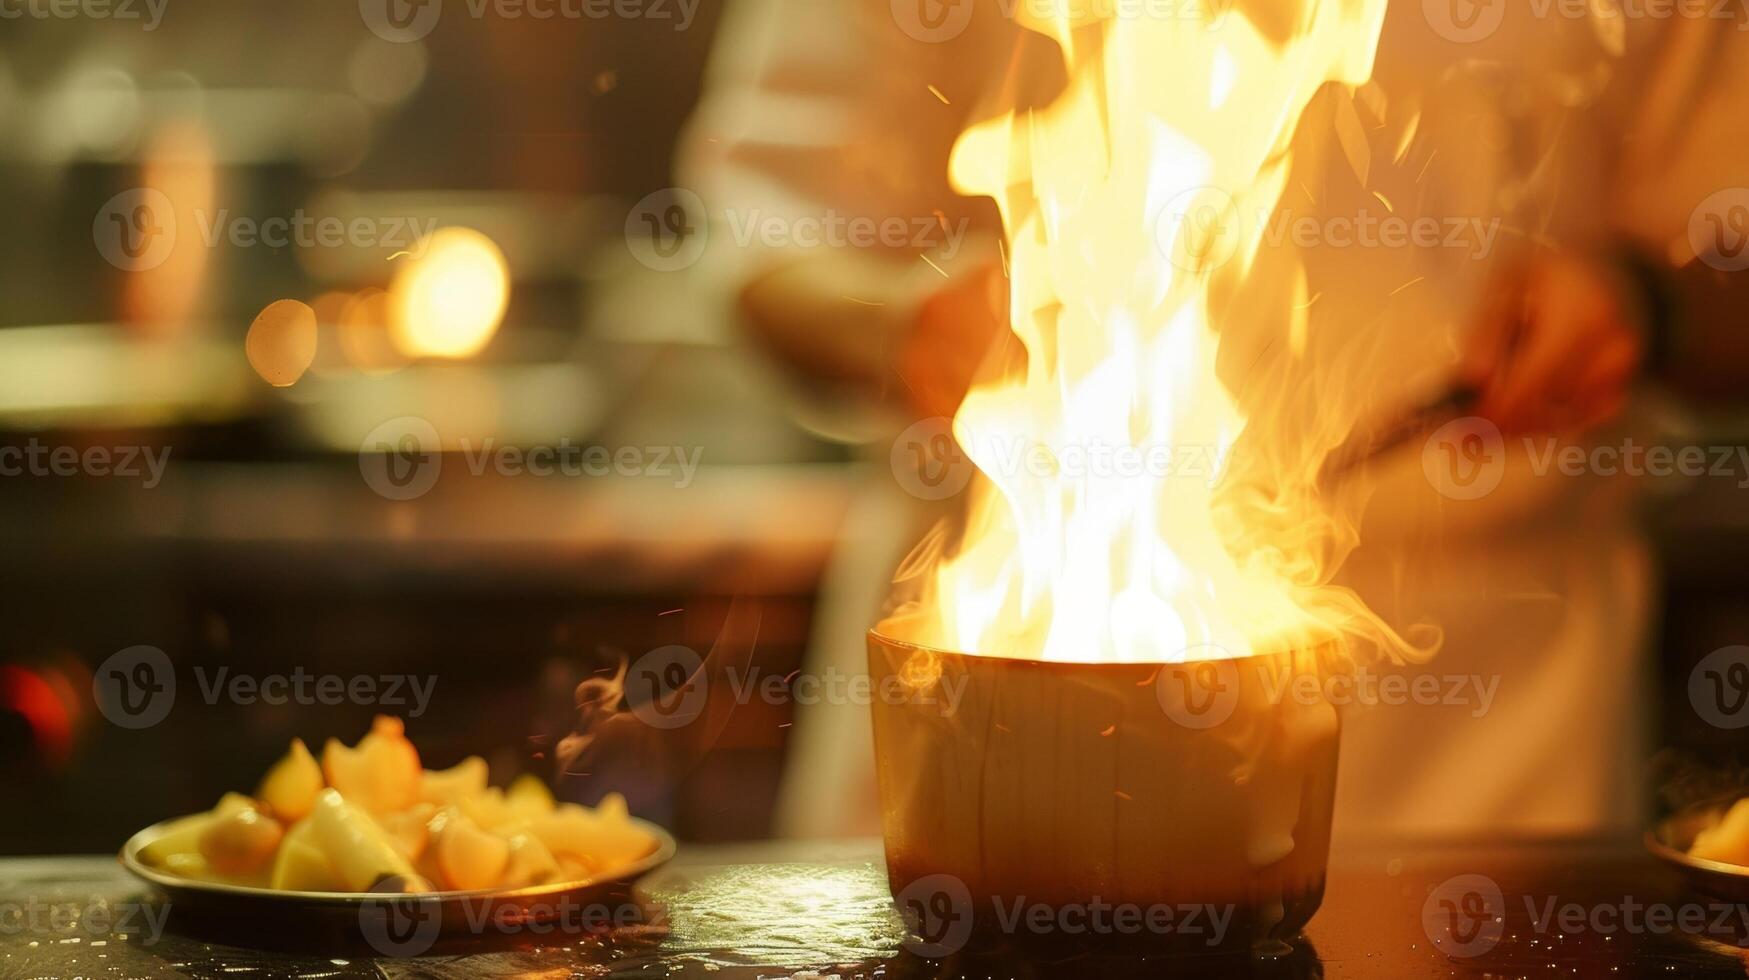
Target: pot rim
[{"x": 881, "y": 633}]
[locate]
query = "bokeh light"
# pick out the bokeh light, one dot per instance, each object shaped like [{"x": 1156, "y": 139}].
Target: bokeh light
[
  {"x": 448, "y": 299},
  {"x": 282, "y": 342}
]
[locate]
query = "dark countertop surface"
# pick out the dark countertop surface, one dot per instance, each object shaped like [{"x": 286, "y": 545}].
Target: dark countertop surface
[{"x": 819, "y": 910}]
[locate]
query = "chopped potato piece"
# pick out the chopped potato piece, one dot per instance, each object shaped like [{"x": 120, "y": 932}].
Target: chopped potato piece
[
  {"x": 410, "y": 829},
  {"x": 191, "y": 865},
  {"x": 359, "y": 851},
  {"x": 301, "y": 865},
  {"x": 528, "y": 797},
  {"x": 489, "y": 809},
  {"x": 1728, "y": 840},
  {"x": 291, "y": 786},
  {"x": 369, "y": 816},
  {"x": 443, "y": 787},
  {"x": 605, "y": 838},
  {"x": 530, "y": 862},
  {"x": 242, "y": 842},
  {"x": 470, "y": 858},
  {"x": 382, "y": 774},
  {"x": 180, "y": 837}
]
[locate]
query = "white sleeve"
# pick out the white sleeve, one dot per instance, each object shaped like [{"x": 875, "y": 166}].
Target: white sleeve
[{"x": 821, "y": 112}]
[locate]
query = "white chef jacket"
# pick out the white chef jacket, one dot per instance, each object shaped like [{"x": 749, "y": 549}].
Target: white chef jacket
[{"x": 1542, "y": 588}]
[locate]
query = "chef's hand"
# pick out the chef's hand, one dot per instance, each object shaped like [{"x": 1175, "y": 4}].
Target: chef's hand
[
  {"x": 1559, "y": 345},
  {"x": 948, "y": 337}
]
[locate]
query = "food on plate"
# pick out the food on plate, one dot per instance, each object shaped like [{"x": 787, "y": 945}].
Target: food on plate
[
  {"x": 1727, "y": 840},
  {"x": 370, "y": 817}
]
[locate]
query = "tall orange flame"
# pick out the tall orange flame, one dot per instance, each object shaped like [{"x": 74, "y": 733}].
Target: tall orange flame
[{"x": 1127, "y": 512}]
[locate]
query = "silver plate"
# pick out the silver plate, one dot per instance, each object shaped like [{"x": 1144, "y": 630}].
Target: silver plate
[{"x": 605, "y": 900}]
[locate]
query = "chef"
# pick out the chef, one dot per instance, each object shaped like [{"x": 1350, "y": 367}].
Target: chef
[{"x": 1583, "y": 151}]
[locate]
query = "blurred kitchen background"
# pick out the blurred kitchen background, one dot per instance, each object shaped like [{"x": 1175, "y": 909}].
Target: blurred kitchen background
[
  {"x": 263, "y": 545},
  {"x": 532, "y": 143}
]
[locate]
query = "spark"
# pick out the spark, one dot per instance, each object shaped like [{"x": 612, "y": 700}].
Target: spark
[
  {"x": 937, "y": 268},
  {"x": 1424, "y": 166},
  {"x": 1309, "y": 302},
  {"x": 937, "y": 93},
  {"x": 1385, "y": 201},
  {"x": 862, "y": 302},
  {"x": 1407, "y": 285},
  {"x": 398, "y": 255},
  {"x": 672, "y": 611},
  {"x": 1108, "y": 731}
]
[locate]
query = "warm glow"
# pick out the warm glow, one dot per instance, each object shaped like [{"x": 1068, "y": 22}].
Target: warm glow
[
  {"x": 363, "y": 330},
  {"x": 282, "y": 342},
  {"x": 1123, "y": 201},
  {"x": 449, "y": 298}
]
